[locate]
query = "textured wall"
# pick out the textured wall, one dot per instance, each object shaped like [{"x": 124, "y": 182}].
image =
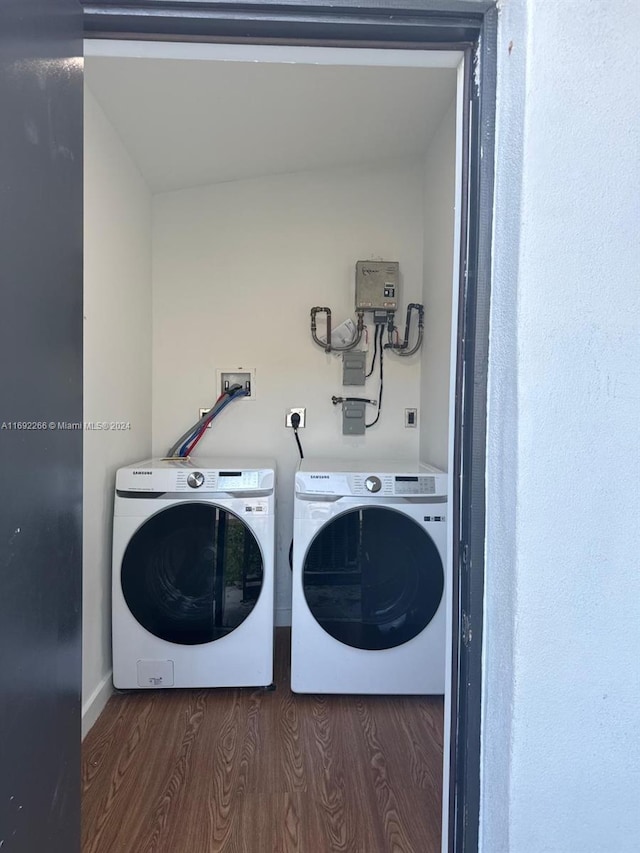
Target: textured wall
[{"x": 560, "y": 738}]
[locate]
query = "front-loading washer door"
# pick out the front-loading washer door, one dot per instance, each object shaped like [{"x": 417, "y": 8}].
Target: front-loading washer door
[
  {"x": 373, "y": 578},
  {"x": 192, "y": 573}
]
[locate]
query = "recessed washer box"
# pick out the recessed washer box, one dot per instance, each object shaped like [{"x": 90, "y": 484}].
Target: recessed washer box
[{"x": 244, "y": 376}]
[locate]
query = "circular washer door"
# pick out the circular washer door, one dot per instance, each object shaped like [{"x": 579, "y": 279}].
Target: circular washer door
[
  {"x": 373, "y": 578},
  {"x": 192, "y": 573}
]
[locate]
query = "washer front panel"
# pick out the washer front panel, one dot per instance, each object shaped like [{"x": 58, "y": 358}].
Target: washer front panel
[
  {"x": 192, "y": 573},
  {"x": 373, "y": 578}
]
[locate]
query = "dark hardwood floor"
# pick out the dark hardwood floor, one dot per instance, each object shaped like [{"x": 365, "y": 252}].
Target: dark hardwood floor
[{"x": 250, "y": 771}]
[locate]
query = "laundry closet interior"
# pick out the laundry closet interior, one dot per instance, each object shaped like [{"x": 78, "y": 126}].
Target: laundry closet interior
[{"x": 229, "y": 190}]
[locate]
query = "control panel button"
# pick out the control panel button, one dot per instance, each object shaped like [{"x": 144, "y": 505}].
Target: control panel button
[
  {"x": 373, "y": 484},
  {"x": 195, "y": 479}
]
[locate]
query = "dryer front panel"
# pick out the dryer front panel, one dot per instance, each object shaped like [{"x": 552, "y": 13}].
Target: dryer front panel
[
  {"x": 192, "y": 573},
  {"x": 373, "y": 578}
]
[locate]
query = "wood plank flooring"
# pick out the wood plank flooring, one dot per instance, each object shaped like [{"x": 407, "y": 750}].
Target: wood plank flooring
[{"x": 250, "y": 771}]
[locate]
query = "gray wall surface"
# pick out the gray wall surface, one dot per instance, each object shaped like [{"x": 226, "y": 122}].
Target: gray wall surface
[{"x": 40, "y": 387}]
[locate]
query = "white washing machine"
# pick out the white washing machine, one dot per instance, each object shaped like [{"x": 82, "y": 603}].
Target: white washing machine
[
  {"x": 369, "y": 557},
  {"x": 193, "y": 573}
]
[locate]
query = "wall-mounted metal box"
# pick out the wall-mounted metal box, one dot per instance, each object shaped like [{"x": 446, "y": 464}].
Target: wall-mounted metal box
[
  {"x": 353, "y": 417},
  {"x": 377, "y": 284},
  {"x": 354, "y": 367}
]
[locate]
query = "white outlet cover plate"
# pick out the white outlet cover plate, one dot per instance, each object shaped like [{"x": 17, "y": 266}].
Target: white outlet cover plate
[
  {"x": 408, "y": 419},
  {"x": 303, "y": 417}
]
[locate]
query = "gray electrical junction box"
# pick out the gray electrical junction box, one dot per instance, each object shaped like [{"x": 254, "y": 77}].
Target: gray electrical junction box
[
  {"x": 377, "y": 285},
  {"x": 353, "y": 367},
  {"x": 353, "y": 414}
]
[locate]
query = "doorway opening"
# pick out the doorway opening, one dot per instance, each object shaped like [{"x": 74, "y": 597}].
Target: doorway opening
[{"x": 392, "y": 177}]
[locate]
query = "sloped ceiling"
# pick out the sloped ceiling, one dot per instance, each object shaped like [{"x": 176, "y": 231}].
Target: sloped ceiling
[{"x": 193, "y": 122}]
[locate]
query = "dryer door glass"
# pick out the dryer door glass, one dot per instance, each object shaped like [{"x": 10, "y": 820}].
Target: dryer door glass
[
  {"x": 192, "y": 573},
  {"x": 373, "y": 578}
]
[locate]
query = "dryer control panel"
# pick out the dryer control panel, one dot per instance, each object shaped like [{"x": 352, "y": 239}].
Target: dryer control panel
[
  {"x": 403, "y": 485},
  {"x": 375, "y": 484}
]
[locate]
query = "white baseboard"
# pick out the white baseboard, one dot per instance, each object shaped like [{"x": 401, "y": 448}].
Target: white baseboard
[
  {"x": 94, "y": 705},
  {"x": 283, "y": 617}
]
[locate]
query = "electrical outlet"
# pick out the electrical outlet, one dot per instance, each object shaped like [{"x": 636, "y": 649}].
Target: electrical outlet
[
  {"x": 202, "y": 413},
  {"x": 411, "y": 418},
  {"x": 301, "y": 412}
]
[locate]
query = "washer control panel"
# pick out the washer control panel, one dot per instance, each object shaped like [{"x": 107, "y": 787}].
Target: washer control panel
[
  {"x": 218, "y": 481},
  {"x": 373, "y": 484},
  {"x": 195, "y": 479},
  {"x": 181, "y": 477}
]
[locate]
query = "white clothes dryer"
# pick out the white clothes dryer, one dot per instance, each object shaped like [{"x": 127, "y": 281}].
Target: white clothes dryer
[
  {"x": 193, "y": 573},
  {"x": 369, "y": 557}
]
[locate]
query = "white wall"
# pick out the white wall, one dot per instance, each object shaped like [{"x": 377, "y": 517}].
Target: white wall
[
  {"x": 236, "y": 269},
  {"x": 435, "y": 378},
  {"x": 560, "y": 746},
  {"x": 117, "y": 370}
]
